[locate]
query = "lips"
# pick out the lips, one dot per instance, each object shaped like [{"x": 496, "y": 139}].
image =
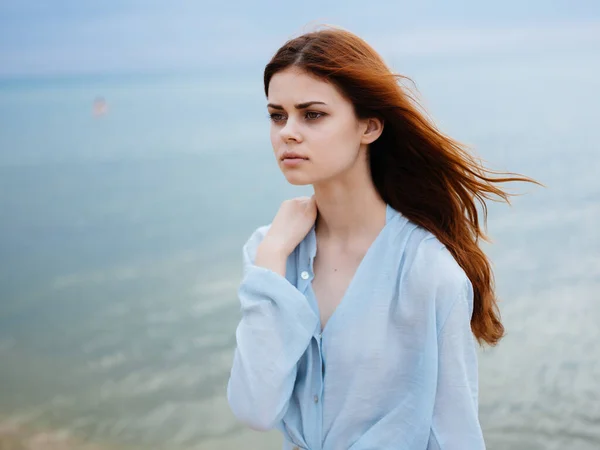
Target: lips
[
  {"x": 292, "y": 159},
  {"x": 292, "y": 155}
]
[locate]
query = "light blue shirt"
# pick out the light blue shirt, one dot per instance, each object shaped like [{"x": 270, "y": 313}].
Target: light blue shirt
[{"x": 395, "y": 366}]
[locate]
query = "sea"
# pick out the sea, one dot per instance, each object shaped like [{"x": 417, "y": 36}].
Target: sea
[{"x": 125, "y": 200}]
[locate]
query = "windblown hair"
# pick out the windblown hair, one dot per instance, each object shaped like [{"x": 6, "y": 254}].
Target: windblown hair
[{"x": 430, "y": 178}]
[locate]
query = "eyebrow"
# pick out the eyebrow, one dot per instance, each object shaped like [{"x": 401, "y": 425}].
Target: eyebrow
[{"x": 298, "y": 106}]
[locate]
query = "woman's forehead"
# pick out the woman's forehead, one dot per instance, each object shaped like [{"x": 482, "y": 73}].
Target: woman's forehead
[{"x": 293, "y": 86}]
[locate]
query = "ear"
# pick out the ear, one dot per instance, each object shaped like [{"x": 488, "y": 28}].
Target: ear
[{"x": 372, "y": 130}]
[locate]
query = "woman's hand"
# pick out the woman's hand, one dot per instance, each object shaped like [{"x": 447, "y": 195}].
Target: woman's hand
[{"x": 291, "y": 224}]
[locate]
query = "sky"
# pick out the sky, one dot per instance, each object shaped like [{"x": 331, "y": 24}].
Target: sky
[{"x": 45, "y": 37}]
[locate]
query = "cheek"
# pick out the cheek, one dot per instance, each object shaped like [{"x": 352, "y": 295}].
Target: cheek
[
  {"x": 337, "y": 142},
  {"x": 274, "y": 138}
]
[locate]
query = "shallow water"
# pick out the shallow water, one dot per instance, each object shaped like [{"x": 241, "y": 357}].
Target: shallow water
[{"x": 120, "y": 245}]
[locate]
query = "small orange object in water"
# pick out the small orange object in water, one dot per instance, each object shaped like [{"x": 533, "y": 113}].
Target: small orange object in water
[{"x": 100, "y": 107}]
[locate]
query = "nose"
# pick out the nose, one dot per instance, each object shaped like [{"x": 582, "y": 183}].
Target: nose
[{"x": 290, "y": 132}]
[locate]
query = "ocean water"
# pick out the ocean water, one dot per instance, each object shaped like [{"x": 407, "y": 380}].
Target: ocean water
[{"x": 121, "y": 235}]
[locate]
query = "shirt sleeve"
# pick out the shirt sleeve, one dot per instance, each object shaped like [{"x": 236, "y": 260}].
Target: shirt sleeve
[
  {"x": 275, "y": 330},
  {"x": 455, "y": 423}
]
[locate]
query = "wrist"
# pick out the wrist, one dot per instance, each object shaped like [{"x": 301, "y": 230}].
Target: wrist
[
  {"x": 274, "y": 248},
  {"x": 272, "y": 255}
]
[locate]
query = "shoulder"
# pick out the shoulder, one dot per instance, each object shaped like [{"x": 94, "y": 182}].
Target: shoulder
[
  {"x": 438, "y": 265},
  {"x": 431, "y": 271}
]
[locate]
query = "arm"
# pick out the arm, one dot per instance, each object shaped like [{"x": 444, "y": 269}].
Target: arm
[
  {"x": 276, "y": 328},
  {"x": 455, "y": 423}
]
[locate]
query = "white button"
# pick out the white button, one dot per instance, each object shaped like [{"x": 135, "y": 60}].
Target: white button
[
  {"x": 316, "y": 398},
  {"x": 304, "y": 275}
]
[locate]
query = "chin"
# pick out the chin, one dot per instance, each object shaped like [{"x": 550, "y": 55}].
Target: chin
[
  {"x": 303, "y": 178},
  {"x": 298, "y": 179}
]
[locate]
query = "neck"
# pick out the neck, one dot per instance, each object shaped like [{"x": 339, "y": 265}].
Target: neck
[{"x": 350, "y": 208}]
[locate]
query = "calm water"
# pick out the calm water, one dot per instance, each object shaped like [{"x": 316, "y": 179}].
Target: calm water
[{"x": 121, "y": 235}]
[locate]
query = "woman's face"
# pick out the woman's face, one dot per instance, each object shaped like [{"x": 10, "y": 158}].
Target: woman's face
[{"x": 314, "y": 132}]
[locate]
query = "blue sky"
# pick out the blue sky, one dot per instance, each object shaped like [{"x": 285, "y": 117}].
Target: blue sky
[{"x": 55, "y": 37}]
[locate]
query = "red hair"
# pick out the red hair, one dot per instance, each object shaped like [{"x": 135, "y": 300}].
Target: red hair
[{"x": 427, "y": 176}]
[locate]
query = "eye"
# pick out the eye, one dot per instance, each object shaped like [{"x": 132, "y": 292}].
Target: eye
[
  {"x": 275, "y": 117},
  {"x": 310, "y": 115}
]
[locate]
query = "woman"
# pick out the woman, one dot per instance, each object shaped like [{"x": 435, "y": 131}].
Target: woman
[{"x": 360, "y": 304}]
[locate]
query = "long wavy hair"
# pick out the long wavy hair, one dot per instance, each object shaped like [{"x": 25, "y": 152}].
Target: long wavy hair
[{"x": 430, "y": 178}]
